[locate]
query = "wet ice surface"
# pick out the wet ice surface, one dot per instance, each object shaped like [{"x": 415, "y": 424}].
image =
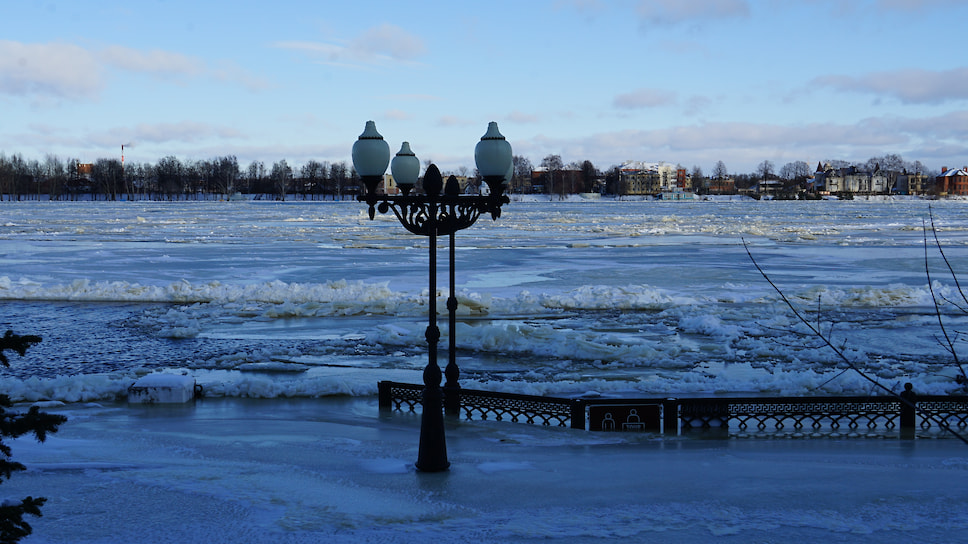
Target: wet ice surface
[
  {"x": 560, "y": 298},
  {"x": 312, "y": 470},
  {"x": 288, "y": 314}
]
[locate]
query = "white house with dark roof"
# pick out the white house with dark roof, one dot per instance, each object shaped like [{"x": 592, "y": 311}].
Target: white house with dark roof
[{"x": 851, "y": 180}]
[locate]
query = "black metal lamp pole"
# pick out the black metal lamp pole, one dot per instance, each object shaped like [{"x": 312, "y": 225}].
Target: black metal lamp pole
[
  {"x": 433, "y": 214},
  {"x": 452, "y": 372}
]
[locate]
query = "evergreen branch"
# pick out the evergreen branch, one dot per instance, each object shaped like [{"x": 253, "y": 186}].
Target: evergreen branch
[
  {"x": 16, "y": 343},
  {"x": 13, "y": 424}
]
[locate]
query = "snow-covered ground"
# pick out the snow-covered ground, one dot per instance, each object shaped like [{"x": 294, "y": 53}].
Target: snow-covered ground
[{"x": 333, "y": 470}]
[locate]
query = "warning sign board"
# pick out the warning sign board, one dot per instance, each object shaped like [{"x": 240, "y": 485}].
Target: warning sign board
[{"x": 625, "y": 417}]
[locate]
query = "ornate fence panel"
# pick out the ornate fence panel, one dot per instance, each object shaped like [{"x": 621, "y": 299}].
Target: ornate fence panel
[
  {"x": 950, "y": 411},
  {"x": 400, "y": 397},
  {"x": 804, "y": 416},
  {"x": 485, "y": 405},
  {"x": 729, "y": 416}
]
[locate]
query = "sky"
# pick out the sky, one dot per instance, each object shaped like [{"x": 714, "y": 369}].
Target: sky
[{"x": 688, "y": 82}]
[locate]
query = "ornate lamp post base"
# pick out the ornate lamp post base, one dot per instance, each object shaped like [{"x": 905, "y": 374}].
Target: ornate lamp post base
[{"x": 432, "y": 453}]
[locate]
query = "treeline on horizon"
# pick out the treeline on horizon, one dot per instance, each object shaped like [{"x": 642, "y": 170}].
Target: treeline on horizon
[{"x": 174, "y": 179}]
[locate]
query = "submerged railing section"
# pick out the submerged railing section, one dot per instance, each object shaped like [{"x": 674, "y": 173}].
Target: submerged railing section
[{"x": 737, "y": 417}]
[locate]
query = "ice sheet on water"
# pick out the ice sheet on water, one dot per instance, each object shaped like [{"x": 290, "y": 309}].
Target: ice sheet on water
[{"x": 635, "y": 296}]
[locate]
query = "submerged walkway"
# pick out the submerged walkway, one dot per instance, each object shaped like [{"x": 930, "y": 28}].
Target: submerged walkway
[{"x": 337, "y": 470}]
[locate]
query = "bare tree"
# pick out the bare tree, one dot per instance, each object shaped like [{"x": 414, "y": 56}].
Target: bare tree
[
  {"x": 281, "y": 178},
  {"x": 962, "y": 306},
  {"x": 339, "y": 174},
  {"x": 589, "y": 176},
  {"x": 522, "y": 170},
  {"x": 55, "y": 175},
  {"x": 257, "y": 175},
  {"x": 719, "y": 171},
  {"x": 169, "y": 172},
  {"x": 698, "y": 179},
  {"x": 554, "y": 166},
  {"x": 765, "y": 169},
  {"x": 311, "y": 176},
  {"x": 817, "y": 330},
  {"x": 228, "y": 174},
  {"x": 107, "y": 176},
  {"x": 797, "y": 171}
]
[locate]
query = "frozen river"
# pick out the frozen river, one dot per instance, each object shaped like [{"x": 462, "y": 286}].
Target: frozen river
[
  {"x": 272, "y": 299},
  {"x": 289, "y": 314}
]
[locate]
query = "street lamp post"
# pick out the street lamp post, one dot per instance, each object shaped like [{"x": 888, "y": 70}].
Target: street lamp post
[{"x": 441, "y": 210}]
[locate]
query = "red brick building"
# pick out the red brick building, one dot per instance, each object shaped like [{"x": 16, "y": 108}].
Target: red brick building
[
  {"x": 952, "y": 182},
  {"x": 721, "y": 186}
]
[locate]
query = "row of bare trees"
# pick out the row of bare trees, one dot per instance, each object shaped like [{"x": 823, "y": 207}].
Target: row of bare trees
[
  {"x": 170, "y": 178},
  {"x": 174, "y": 178}
]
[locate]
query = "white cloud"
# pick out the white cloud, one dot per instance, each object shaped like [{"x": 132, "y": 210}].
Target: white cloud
[
  {"x": 68, "y": 71},
  {"x": 55, "y": 69},
  {"x": 453, "y": 121},
  {"x": 915, "y": 5},
  {"x": 911, "y": 86},
  {"x": 229, "y": 72},
  {"x": 742, "y": 145},
  {"x": 167, "y": 64},
  {"x": 950, "y": 126},
  {"x": 868, "y": 8},
  {"x": 182, "y": 132},
  {"x": 679, "y": 11},
  {"x": 384, "y": 45},
  {"x": 158, "y": 139},
  {"x": 521, "y": 117},
  {"x": 389, "y": 40},
  {"x": 156, "y": 61},
  {"x": 645, "y": 98},
  {"x": 397, "y": 115}
]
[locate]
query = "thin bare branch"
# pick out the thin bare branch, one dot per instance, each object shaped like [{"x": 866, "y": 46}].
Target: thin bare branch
[
  {"x": 843, "y": 357},
  {"x": 944, "y": 257},
  {"x": 934, "y": 297}
]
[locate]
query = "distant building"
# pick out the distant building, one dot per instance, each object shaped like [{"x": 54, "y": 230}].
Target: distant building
[
  {"x": 952, "y": 182},
  {"x": 771, "y": 187},
  {"x": 910, "y": 184},
  {"x": 642, "y": 178},
  {"x": 683, "y": 180},
  {"x": 721, "y": 186},
  {"x": 468, "y": 185},
  {"x": 851, "y": 180},
  {"x": 82, "y": 180}
]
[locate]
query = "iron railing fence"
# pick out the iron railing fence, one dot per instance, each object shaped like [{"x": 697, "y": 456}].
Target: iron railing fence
[{"x": 790, "y": 417}]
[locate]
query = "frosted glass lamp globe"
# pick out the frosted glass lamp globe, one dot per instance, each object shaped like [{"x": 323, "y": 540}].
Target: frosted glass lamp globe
[
  {"x": 371, "y": 154},
  {"x": 405, "y": 168},
  {"x": 493, "y": 153}
]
